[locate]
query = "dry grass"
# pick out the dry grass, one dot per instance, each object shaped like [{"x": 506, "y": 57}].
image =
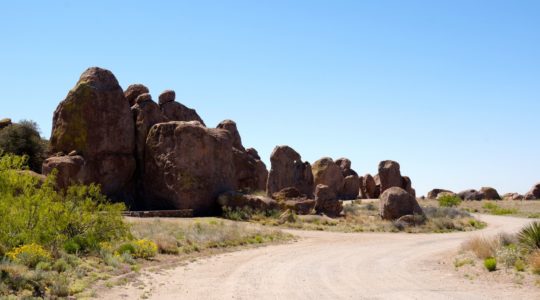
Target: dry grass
[
  {"x": 526, "y": 209},
  {"x": 534, "y": 262},
  {"x": 364, "y": 217},
  {"x": 187, "y": 235},
  {"x": 482, "y": 247}
]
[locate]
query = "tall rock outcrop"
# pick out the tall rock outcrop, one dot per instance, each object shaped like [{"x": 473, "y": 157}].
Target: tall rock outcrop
[
  {"x": 327, "y": 172},
  {"x": 369, "y": 187},
  {"x": 351, "y": 181},
  {"x": 187, "y": 166},
  {"x": 95, "y": 121},
  {"x": 288, "y": 170},
  {"x": 250, "y": 171},
  {"x": 146, "y": 113}
]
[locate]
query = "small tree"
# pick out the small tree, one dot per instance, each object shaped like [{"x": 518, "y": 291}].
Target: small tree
[
  {"x": 23, "y": 139},
  {"x": 449, "y": 201}
]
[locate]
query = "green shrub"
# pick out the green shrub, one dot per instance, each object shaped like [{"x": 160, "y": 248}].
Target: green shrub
[
  {"x": 449, "y": 201},
  {"x": 38, "y": 214},
  {"x": 519, "y": 265},
  {"x": 72, "y": 247},
  {"x": 60, "y": 265},
  {"x": 126, "y": 248},
  {"x": 29, "y": 255},
  {"x": 529, "y": 236},
  {"x": 24, "y": 139},
  {"x": 491, "y": 264}
]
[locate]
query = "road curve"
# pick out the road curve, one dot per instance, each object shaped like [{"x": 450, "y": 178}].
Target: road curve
[{"x": 326, "y": 265}]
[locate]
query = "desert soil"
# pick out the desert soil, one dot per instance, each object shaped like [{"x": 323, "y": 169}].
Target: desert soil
[{"x": 329, "y": 265}]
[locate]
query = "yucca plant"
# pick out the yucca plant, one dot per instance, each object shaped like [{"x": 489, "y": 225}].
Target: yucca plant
[{"x": 529, "y": 236}]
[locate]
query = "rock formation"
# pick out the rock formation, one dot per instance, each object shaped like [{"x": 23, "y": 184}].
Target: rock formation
[
  {"x": 5, "y": 122},
  {"x": 435, "y": 192},
  {"x": 489, "y": 193},
  {"x": 470, "y": 195},
  {"x": 133, "y": 91},
  {"x": 369, "y": 187},
  {"x": 288, "y": 170},
  {"x": 250, "y": 171},
  {"x": 187, "y": 166},
  {"x": 327, "y": 172},
  {"x": 327, "y": 202},
  {"x": 396, "y": 202},
  {"x": 175, "y": 111},
  {"x": 95, "y": 120},
  {"x": 238, "y": 200},
  {"x": 389, "y": 175},
  {"x": 534, "y": 193},
  {"x": 351, "y": 182}
]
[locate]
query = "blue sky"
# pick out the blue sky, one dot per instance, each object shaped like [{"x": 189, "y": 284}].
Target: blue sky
[{"x": 450, "y": 89}]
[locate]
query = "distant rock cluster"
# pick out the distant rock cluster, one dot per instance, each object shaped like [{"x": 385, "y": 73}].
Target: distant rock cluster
[
  {"x": 486, "y": 193},
  {"x": 162, "y": 156}
]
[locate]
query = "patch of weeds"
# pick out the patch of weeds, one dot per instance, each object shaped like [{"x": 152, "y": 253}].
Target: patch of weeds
[{"x": 458, "y": 263}]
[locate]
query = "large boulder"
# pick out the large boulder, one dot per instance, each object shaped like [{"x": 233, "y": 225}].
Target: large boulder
[
  {"x": 95, "y": 120},
  {"x": 512, "y": 196},
  {"x": 327, "y": 172},
  {"x": 351, "y": 188},
  {"x": 250, "y": 173},
  {"x": 435, "y": 192},
  {"x": 231, "y": 127},
  {"x": 5, "y": 123},
  {"x": 351, "y": 182},
  {"x": 396, "y": 202},
  {"x": 490, "y": 193},
  {"x": 327, "y": 202},
  {"x": 534, "y": 193},
  {"x": 237, "y": 200},
  {"x": 133, "y": 91},
  {"x": 389, "y": 175},
  {"x": 470, "y": 195},
  {"x": 175, "y": 111},
  {"x": 187, "y": 166},
  {"x": 369, "y": 187},
  {"x": 288, "y": 170},
  {"x": 292, "y": 199},
  {"x": 72, "y": 169}
]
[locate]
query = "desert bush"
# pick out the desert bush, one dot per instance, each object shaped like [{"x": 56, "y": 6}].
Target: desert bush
[
  {"x": 490, "y": 264},
  {"x": 128, "y": 247},
  {"x": 508, "y": 255},
  {"x": 534, "y": 262},
  {"x": 29, "y": 255},
  {"x": 529, "y": 236},
  {"x": 433, "y": 212},
  {"x": 23, "y": 139},
  {"x": 145, "y": 249},
  {"x": 38, "y": 214},
  {"x": 483, "y": 248},
  {"x": 449, "y": 201}
]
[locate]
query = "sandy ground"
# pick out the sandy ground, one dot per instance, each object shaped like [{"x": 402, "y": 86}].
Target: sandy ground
[{"x": 327, "y": 265}]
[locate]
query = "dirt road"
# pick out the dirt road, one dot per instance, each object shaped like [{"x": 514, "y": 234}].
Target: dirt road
[{"x": 324, "y": 265}]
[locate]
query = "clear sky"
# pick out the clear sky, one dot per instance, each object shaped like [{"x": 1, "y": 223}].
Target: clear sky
[{"x": 450, "y": 89}]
